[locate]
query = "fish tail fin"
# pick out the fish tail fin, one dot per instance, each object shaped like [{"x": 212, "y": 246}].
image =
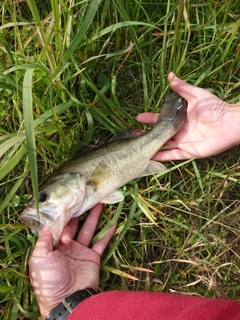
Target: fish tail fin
[{"x": 174, "y": 107}]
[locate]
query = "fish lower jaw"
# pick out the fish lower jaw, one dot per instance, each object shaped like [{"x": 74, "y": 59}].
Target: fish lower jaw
[{"x": 34, "y": 224}]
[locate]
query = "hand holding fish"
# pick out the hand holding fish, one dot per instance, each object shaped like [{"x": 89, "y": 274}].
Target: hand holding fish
[
  {"x": 212, "y": 125},
  {"x": 72, "y": 266}
]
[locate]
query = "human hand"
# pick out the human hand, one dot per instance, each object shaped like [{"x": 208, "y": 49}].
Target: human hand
[
  {"x": 212, "y": 125},
  {"x": 72, "y": 266}
]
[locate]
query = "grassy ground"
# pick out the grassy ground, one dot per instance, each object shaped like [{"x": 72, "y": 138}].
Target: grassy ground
[{"x": 74, "y": 73}]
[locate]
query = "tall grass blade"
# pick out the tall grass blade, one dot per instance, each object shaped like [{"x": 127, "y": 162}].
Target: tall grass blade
[
  {"x": 29, "y": 129},
  {"x": 92, "y": 10}
]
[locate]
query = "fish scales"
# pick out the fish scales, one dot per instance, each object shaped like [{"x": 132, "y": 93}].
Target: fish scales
[{"x": 118, "y": 156}]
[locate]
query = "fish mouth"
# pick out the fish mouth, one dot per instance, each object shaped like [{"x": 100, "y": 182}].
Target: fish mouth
[{"x": 34, "y": 223}]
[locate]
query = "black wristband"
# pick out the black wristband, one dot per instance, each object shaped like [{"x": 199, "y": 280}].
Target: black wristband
[{"x": 62, "y": 311}]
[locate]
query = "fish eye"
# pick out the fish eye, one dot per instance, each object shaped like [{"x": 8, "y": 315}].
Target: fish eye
[{"x": 42, "y": 197}]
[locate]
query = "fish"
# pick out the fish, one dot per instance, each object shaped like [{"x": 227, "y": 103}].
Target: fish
[{"x": 97, "y": 174}]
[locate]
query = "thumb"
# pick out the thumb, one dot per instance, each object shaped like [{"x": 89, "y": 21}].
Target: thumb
[
  {"x": 183, "y": 88},
  {"x": 44, "y": 242}
]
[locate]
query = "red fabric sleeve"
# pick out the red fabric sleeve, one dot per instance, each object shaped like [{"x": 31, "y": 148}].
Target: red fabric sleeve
[{"x": 121, "y": 305}]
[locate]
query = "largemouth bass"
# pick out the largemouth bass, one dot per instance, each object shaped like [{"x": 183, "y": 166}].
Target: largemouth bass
[{"x": 96, "y": 175}]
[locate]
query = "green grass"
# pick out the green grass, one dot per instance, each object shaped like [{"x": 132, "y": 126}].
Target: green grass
[{"x": 73, "y": 74}]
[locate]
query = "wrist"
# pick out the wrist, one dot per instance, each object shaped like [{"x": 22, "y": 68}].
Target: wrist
[
  {"x": 234, "y": 123},
  {"x": 63, "y": 310},
  {"x": 45, "y": 308},
  {"x": 237, "y": 119}
]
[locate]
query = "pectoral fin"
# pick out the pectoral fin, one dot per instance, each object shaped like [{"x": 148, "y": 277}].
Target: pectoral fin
[
  {"x": 154, "y": 167},
  {"x": 100, "y": 172},
  {"x": 113, "y": 197}
]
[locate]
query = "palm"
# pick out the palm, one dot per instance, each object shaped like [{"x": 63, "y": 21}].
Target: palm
[
  {"x": 69, "y": 261},
  {"x": 207, "y": 122},
  {"x": 72, "y": 266}
]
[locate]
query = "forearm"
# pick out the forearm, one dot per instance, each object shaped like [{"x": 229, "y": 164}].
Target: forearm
[{"x": 115, "y": 305}]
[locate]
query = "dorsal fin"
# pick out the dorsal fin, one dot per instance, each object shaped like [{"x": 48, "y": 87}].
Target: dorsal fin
[
  {"x": 84, "y": 150},
  {"x": 127, "y": 133}
]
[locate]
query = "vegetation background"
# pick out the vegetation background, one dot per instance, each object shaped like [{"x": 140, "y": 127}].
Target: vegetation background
[{"x": 72, "y": 73}]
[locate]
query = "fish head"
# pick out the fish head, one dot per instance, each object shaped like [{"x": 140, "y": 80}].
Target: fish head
[{"x": 59, "y": 199}]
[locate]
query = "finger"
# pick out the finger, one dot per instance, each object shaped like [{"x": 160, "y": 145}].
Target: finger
[
  {"x": 101, "y": 245},
  {"x": 69, "y": 231},
  {"x": 44, "y": 242},
  {"x": 183, "y": 88},
  {"x": 174, "y": 154},
  {"x": 88, "y": 229},
  {"x": 147, "y": 117}
]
